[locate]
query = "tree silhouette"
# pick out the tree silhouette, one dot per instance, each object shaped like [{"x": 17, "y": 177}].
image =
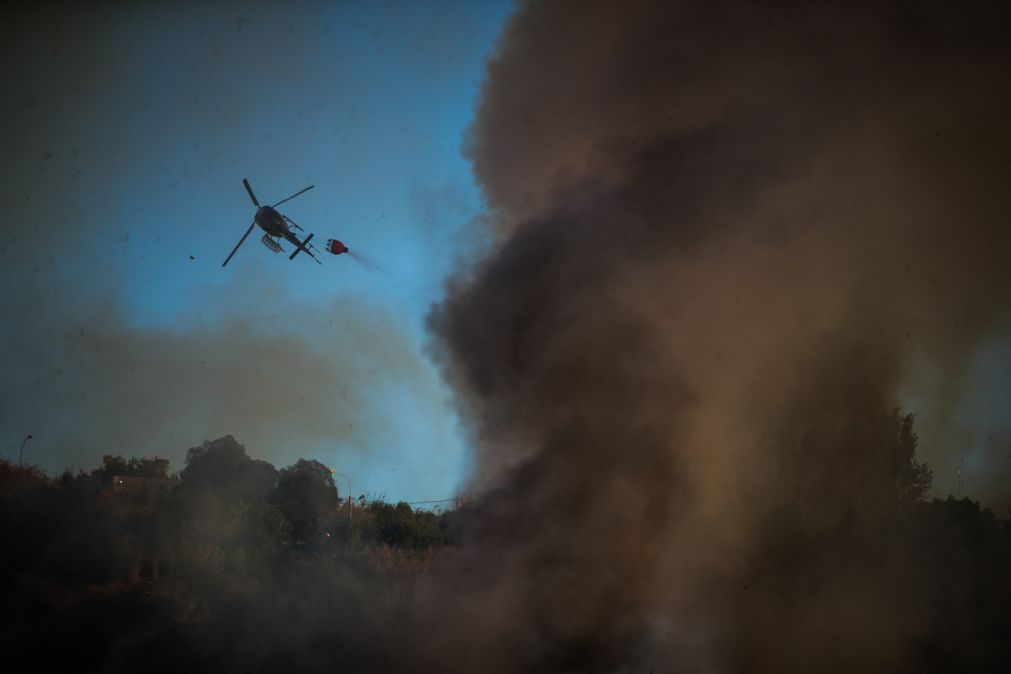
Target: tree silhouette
[
  {"x": 308, "y": 498},
  {"x": 115, "y": 464},
  {"x": 220, "y": 519}
]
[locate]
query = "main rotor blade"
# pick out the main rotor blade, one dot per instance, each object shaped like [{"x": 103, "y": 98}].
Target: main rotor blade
[
  {"x": 250, "y": 190},
  {"x": 291, "y": 197},
  {"x": 240, "y": 241}
]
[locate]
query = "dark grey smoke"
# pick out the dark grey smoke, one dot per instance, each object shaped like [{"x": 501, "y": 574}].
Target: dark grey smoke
[{"x": 732, "y": 234}]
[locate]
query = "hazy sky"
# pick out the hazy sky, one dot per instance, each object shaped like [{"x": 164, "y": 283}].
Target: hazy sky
[{"x": 129, "y": 130}]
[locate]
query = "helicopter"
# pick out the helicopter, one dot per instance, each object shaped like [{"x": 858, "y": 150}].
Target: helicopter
[{"x": 277, "y": 227}]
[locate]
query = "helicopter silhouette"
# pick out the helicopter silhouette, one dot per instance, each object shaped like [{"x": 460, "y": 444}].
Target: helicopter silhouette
[{"x": 276, "y": 226}]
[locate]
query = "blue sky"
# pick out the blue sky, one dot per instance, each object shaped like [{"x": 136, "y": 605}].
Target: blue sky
[{"x": 131, "y": 161}]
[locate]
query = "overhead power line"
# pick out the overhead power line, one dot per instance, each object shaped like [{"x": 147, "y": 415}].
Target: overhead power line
[{"x": 441, "y": 500}]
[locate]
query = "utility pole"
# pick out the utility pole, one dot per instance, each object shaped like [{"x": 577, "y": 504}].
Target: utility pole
[{"x": 22, "y": 450}]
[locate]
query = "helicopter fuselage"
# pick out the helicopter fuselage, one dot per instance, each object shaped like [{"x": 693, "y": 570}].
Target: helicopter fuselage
[
  {"x": 274, "y": 224},
  {"x": 271, "y": 221}
]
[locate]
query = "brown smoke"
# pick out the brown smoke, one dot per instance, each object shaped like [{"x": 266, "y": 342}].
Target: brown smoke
[{"x": 731, "y": 233}]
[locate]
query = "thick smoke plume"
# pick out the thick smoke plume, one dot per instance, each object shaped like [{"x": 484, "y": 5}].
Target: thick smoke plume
[{"x": 731, "y": 235}]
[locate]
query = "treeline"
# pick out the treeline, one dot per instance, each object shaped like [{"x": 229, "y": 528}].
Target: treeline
[
  {"x": 130, "y": 568},
  {"x": 224, "y": 513},
  {"x": 235, "y": 565}
]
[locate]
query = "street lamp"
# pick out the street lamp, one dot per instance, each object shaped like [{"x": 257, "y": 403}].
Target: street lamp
[
  {"x": 22, "y": 450},
  {"x": 334, "y": 472}
]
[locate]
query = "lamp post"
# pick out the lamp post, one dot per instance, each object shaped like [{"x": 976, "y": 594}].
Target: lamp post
[
  {"x": 334, "y": 472},
  {"x": 22, "y": 450}
]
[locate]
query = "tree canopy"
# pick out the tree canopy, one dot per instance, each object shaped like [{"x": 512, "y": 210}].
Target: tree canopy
[{"x": 308, "y": 498}]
